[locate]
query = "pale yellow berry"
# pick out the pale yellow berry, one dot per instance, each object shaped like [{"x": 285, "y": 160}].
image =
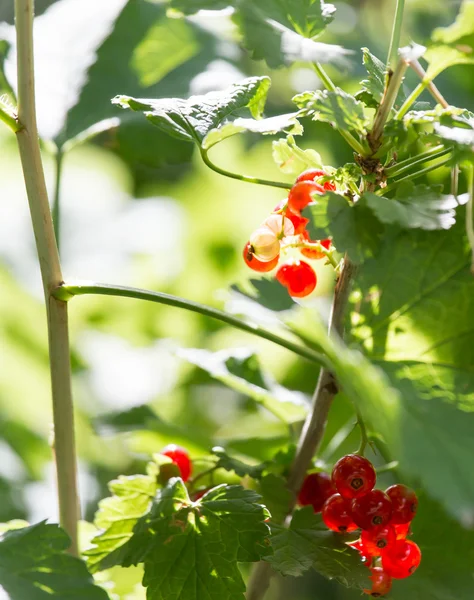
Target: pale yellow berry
[
  {"x": 265, "y": 244},
  {"x": 280, "y": 225}
]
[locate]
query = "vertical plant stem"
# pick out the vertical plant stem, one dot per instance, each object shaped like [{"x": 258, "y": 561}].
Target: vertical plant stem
[
  {"x": 469, "y": 212},
  {"x": 315, "y": 424},
  {"x": 396, "y": 34},
  {"x": 51, "y": 274},
  {"x": 56, "y": 209}
]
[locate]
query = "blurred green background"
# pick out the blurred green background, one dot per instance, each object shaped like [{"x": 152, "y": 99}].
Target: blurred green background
[{"x": 139, "y": 208}]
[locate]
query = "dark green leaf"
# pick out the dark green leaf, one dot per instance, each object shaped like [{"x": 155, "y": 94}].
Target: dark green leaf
[
  {"x": 354, "y": 228},
  {"x": 276, "y": 496},
  {"x": 191, "y": 550},
  {"x": 240, "y": 370},
  {"x": 34, "y": 565},
  {"x": 193, "y": 119},
  {"x": 308, "y": 544},
  {"x": 230, "y": 463},
  {"x": 190, "y": 7},
  {"x": 338, "y": 108},
  {"x": 117, "y": 517},
  {"x": 416, "y": 322},
  {"x": 415, "y": 207},
  {"x": 268, "y": 293},
  {"x": 373, "y": 87}
]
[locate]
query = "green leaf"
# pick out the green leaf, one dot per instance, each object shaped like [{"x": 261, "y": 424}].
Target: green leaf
[
  {"x": 441, "y": 58},
  {"x": 338, "y": 108},
  {"x": 190, "y": 7},
  {"x": 276, "y": 496},
  {"x": 415, "y": 207},
  {"x": 308, "y": 544},
  {"x": 294, "y": 160},
  {"x": 117, "y": 517},
  {"x": 269, "y": 126},
  {"x": 230, "y": 463},
  {"x": 34, "y": 564},
  {"x": 191, "y": 550},
  {"x": 354, "y": 228},
  {"x": 374, "y": 86},
  {"x": 239, "y": 369},
  {"x": 268, "y": 293},
  {"x": 193, "y": 119},
  {"x": 414, "y": 320},
  {"x": 458, "y": 129}
]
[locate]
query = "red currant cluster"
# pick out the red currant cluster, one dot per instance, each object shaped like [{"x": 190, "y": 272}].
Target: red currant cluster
[
  {"x": 348, "y": 501},
  {"x": 285, "y": 228},
  {"x": 180, "y": 457}
]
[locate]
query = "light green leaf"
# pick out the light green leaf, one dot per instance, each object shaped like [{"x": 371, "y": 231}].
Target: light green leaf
[
  {"x": 415, "y": 320},
  {"x": 308, "y": 544},
  {"x": 338, "y": 108},
  {"x": 441, "y": 58},
  {"x": 269, "y": 126},
  {"x": 239, "y": 369},
  {"x": 117, "y": 517},
  {"x": 415, "y": 207},
  {"x": 191, "y": 550},
  {"x": 354, "y": 228},
  {"x": 276, "y": 496},
  {"x": 230, "y": 463},
  {"x": 34, "y": 565},
  {"x": 193, "y": 119},
  {"x": 373, "y": 87},
  {"x": 190, "y": 7},
  {"x": 294, "y": 160}
]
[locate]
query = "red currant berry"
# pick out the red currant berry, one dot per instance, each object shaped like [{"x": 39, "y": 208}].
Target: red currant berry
[
  {"x": 381, "y": 583},
  {"x": 298, "y": 277},
  {"x": 402, "y": 531},
  {"x": 313, "y": 174},
  {"x": 301, "y": 194},
  {"x": 316, "y": 489},
  {"x": 353, "y": 476},
  {"x": 313, "y": 253},
  {"x": 377, "y": 539},
  {"x": 404, "y": 503},
  {"x": 299, "y": 222},
  {"x": 401, "y": 559},
  {"x": 372, "y": 510},
  {"x": 337, "y": 515},
  {"x": 255, "y": 264},
  {"x": 181, "y": 458}
]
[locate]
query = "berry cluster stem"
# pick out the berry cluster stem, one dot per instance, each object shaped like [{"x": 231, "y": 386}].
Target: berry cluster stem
[
  {"x": 315, "y": 424},
  {"x": 57, "y": 318}
]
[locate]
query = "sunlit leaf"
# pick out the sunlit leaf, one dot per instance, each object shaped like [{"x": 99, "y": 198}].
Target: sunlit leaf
[
  {"x": 193, "y": 119},
  {"x": 230, "y": 463},
  {"x": 239, "y": 370},
  {"x": 292, "y": 159},
  {"x": 34, "y": 564}
]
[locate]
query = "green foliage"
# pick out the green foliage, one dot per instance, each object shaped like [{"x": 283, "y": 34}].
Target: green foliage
[
  {"x": 414, "y": 207},
  {"x": 34, "y": 564},
  {"x": 240, "y": 370},
  {"x": 415, "y": 322},
  {"x": 354, "y": 227},
  {"x": 230, "y": 463},
  {"x": 191, "y": 550},
  {"x": 308, "y": 544},
  {"x": 278, "y": 31},
  {"x": 266, "y": 292},
  {"x": 194, "y": 119},
  {"x": 117, "y": 517},
  {"x": 338, "y": 108},
  {"x": 373, "y": 87},
  {"x": 292, "y": 159}
]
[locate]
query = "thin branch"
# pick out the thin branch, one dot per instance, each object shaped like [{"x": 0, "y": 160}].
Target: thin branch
[
  {"x": 411, "y": 176},
  {"x": 410, "y": 163},
  {"x": 314, "y": 427},
  {"x": 396, "y": 33},
  {"x": 68, "y": 290},
  {"x": 8, "y": 117},
  {"x": 51, "y": 274},
  {"x": 437, "y": 95},
  {"x": 238, "y": 176}
]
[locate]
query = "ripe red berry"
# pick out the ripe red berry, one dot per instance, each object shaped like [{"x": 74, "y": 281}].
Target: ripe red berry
[
  {"x": 372, "y": 510},
  {"x": 365, "y": 556},
  {"x": 299, "y": 222},
  {"x": 314, "y": 254},
  {"x": 313, "y": 174},
  {"x": 381, "y": 583},
  {"x": 404, "y": 503},
  {"x": 353, "y": 476},
  {"x": 402, "y": 531},
  {"x": 258, "y": 265},
  {"x": 316, "y": 489},
  {"x": 401, "y": 559},
  {"x": 337, "y": 515},
  {"x": 181, "y": 458},
  {"x": 298, "y": 277},
  {"x": 301, "y": 194},
  {"x": 375, "y": 540}
]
